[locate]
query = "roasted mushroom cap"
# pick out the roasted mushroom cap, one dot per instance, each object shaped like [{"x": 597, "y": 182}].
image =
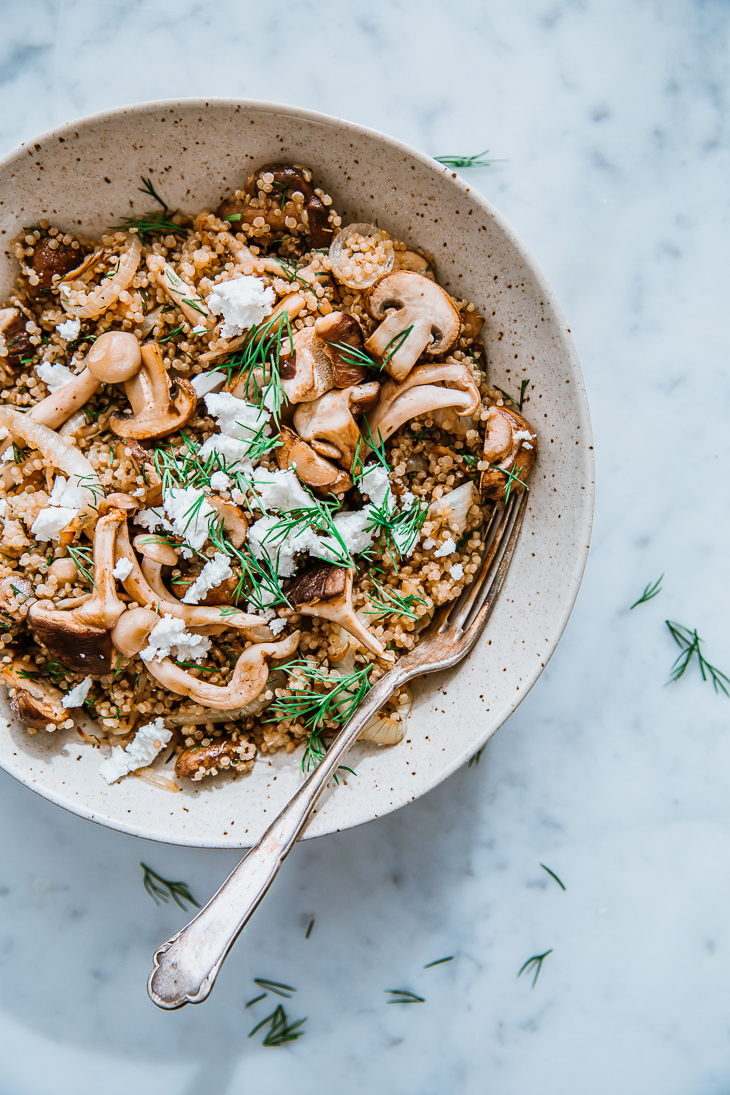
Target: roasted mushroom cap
[
  {"x": 338, "y": 330},
  {"x": 287, "y": 179},
  {"x": 510, "y": 447},
  {"x": 35, "y": 703},
  {"x": 224, "y": 753},
  {"x": 51, "y": 257},
  {"x": 80, "y": 647},
  {"x": 325, "y": 591},
  {"x": 313, "y": 469},
  {"x": 329, "y": 425},
  {"x": 306, "y": 371},
  {"x": 421, "y": 392},
  {"x": 159, "y": 407},
  {"x": 17, "y": 339},
  {"x": 417, "y": 314}
]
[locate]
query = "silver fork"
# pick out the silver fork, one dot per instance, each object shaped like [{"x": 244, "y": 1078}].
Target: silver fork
[{"x": 186, "y": 966}]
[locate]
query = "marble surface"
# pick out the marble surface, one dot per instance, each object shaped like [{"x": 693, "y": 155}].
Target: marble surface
[{"x": 613, "y": 121}]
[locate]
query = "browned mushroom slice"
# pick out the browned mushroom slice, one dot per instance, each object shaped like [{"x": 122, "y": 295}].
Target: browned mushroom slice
[
  {"x": 338, "y": 330},
  {"x": 329, "y": 425},
  {"x": 221, "y": 753},
  {"x": 287, "y": 180},
  {"x": 14, "y": 592},
  {"x": 104, "y": 608},
  {"x": 51, "y": 257},
  {"x": 325, "y": 591},
  {"x": 34, "y": 702},
  {"x": 420, "y": 393},
  {"x": 320, "y": 474},
  {"x": 417, "y": 316},
  {"x": 306, "y": 371},
  {"x": 78, "y": 646},
  {"x": 510, "y": 448},
  {"x": 159, "y": 406},
  {"x": 17, "y": 339},
  {"x": 235, "y": 522}
]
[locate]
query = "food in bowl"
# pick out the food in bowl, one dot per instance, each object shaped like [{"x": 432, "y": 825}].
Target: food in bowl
[{"x": 245, "y": 457}]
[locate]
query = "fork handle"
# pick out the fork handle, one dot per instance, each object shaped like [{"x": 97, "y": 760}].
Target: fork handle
[{"x": 186, "y": 966}]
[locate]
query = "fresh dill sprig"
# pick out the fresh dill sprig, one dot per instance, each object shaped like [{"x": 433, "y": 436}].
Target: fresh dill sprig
[
  {"x": 650, "y": 591},
  {"x": 319, "y": 700},
  {"x": 477, "y": 757},
  {"x": 476, "y": 160},
  {"x": 281, "y": 1030},
  {"x": 276, "y": 987},
  {"x": 517, "y": 402},
  {"x": 261, "y": 350},
  {"x": 310, "y": 926},
  {"x": 512, "y": 477},
  {"x": 391, "y": 603},
  {"x": 403, "y": 996},
  {"x": 439, "y": 962},
  {"x": 172, "y": 334},
  {"x": 258, "y": 577},
  {"x": 534, "y": 963},
  {"x": 161, "y": 890},
  {"x": 84, "y": 560},
  {"x": 353, "y": 355},
  {"x": 147, "y": 224},
  {"x": 319, "y": 516},
  {"x": 397, "y": 530},
  {"x": 690, "y": 645},
  {"x": 553, "y": 875}
]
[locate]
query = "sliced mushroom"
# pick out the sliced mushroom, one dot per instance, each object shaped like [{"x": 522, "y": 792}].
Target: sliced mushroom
[
  {"x": 338, "y": 330},
  {"x": 510, "y": 448},
  {"x": 287, "y": 179},
  {"x": 51, "y": 258},
  {"x": 329, "y": 425},
  {"x": 155, "y": 548},
  {"x": 194, "y": 716},
  {"x": 325, "y": 591},
  {"x": 17, "y": 340},
  {"x": 104, "y": 608},
  {"x": 35, "y": 703},
  {"x": 417, "y": 316},
  {"x": 159, "y": 406},
  {"x": 201, "y": 760},
  {"x": 412, "y": 260},
  {"x": 420, "y": 393},
  {"x": 312, "y": 469},
  {"x": 78, "y": 646},
  {"x": 180, "y": 292},
  {"x": 306, "y": 370},
  {"x": 235, "y": 523}
]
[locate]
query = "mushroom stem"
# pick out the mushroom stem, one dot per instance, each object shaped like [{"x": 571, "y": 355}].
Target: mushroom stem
[
  {"x": 57, "y": 408},
  {"x": 104, "y": 608},
  {"x": 180, "y": 292},
  {"x": 160, "y": 407},
  {"x": 325, "y": 592}
]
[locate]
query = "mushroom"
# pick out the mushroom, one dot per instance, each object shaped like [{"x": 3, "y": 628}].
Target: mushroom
[
  {"x": 290, "y": 179},
  {"x": 51, "y": 257},
  {"x": 325, "y": 591},
  {"x": 417, "y": 315},
  {"x": 159, "y": 407},
  {"x": 249, "y": 675},
  {"x": 35, "y": 703},
  {"x": 509, "y": 450},
  {"x": 412, "y": 260},
  {"x": 17, "y": 340},
  {"x": 114, "y": 357},
  {"x": 312, "y": 469},
  {"x": 338, "y": 330},
  {"x": 306, "y": 371},
  {"x": 187, "y": 299},
  {"x": 328, "y": 423},
  {"x": 235, "y": 524},
  {"x": 201, "y": 760},
  {"x": 420, "y": 393},
  {"x": 104, "y": 608}
]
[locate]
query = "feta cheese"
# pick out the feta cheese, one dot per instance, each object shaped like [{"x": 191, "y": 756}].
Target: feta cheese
[
  {"x": 447, "y": 548},
  {"x": 206, "y": 382},
  {"x": 242, "y": 301},
  {"x": 456, "y": 571},
  {"x": 51, "y": 520},
  {"x": 375, "y": 482},
  {"x": 352, "y": 526},
  {"x": 77, "y": 695},
  {"x": 67, "y": 492},
  {"x": 140, "y": 752},
  {"x": 170, "y": 638},
  {"x": 69, "y": 330},
  {"x": 54, "y": 376},
  {"x": 122, "y": 569},
  {"x": 428, "y": 543},
  {"x": 280, "y": 490},
  {"x": 8, "y": 455},
  {"x": 213, "y": 573},
  {"x": 3, "y": 506},
  {"x": 279, "y": 546},
  {"x": 236, "y": 417},
  {"x": 277, "y": 626},
  {"x": 152, "y": 519},
  {"x": 199, "y": 330},
  {"x": 189, "y": 514},
  {"x": 219, "y": 481},
  {"x": 232, "y": 452}
]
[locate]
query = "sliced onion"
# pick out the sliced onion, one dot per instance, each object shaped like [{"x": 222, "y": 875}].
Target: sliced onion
[
  {"x": 454, "y": 507},
  {"x": 55, "y": 448},
  {"x": 105, "y": 294},
  {"x": 157, "y": 779},
  {"x": 386, "y": 730},
  {"x": 340, "y": 256}
]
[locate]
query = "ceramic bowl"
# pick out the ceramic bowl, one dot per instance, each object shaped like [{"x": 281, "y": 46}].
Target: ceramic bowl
[{"x": 86, "y": 174}]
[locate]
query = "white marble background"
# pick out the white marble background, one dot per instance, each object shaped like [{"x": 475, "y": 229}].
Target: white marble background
[{"x": 612, "y": 117}]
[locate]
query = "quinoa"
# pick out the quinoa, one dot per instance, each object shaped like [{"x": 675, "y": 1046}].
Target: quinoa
[{"x": 394, "y": 593}]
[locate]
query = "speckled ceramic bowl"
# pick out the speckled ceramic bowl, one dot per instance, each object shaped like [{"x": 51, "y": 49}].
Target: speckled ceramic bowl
[{"x": 86, "y": 174}]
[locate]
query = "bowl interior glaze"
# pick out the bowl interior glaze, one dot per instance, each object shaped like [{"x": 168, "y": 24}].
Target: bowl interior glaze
[{"x": 85, "y": 175}]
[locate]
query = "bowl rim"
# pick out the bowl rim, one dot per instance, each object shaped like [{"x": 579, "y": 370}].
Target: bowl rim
[{"x": 584, "y": 522}]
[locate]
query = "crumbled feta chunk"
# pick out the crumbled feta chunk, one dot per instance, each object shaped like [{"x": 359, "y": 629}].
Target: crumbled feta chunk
[
  {"x": 428, "y": 543},
  {"x": 69, "y": 329},
  {"x": 54, "y": 376},
  {"x": 447, "y": 548},
  {"x": 375, "y": 482},
  {"x": 77, "y": 695},
  {"x": 199, "y": 330},
  {"x": 140, "y": 752},
  {"x": 189, "y": 514},
  {"x": 170, "y": 638},
  {"x": 204, "y": 383},
  {"x": 356, "y": 529},
  {"x": 8, "y": 455},
  {"x": 3, "y": 506},
  {"x": 51, "y": 520},
  {"x": 122, "y": 569},
  {"x": 242, "y": 302},
  {"x": 236, "y": 417},
  {"x": 278, "y": 545},
  {"x": 232, "y": 452},
  {"x": 277, "y": 626},
  {"x": 67, "y": 492},
  {"x": 152, "y": 519},
  {"x": 281, "y": 490},
  {"x": 220, "y": 481},
  {"x": 215, "y": 571},
  {"x": 456, "y": 571}
]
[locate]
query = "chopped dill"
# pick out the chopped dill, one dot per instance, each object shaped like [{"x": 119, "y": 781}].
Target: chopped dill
[
  {"x": 553, "y": 875},
  {"x": 690, "y": 645},
  {"x": 477, "y": 160},
  {"x": 403, "y": 996},
  {"x": 534, "y": 964},
  {"x": 391, "y": 603},
  {"x": 477, "y": 757},
  {"x": 281, "y": 1030},
  {"x": 277, "y": 987},
  {"x": 319, "y": 516},
  {"x": 398, "y": 530},
  {"x": 355, "y": 356},
  {"x": 172, "y": 334},
  {"x": 161, "y": 890},
  {"x": 517, "y": 402},
  {"x": 149, "y": 224},
  {"x": 310, "y": 926},
  {"x": 650, "y": 591},
  {"x": 84, "y": 560},
  {"x": 439, "y": 962},
  {"x": 396, "y": 342}
]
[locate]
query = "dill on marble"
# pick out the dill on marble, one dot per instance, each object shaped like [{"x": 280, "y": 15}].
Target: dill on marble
[
  {"x": 534, "y": 965},
  {"x": 690, "y": 645},
  {"x": 650, "y": 591},
  {"x": 161, "y": 889},
  {"x": 553, "y": 875}
]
